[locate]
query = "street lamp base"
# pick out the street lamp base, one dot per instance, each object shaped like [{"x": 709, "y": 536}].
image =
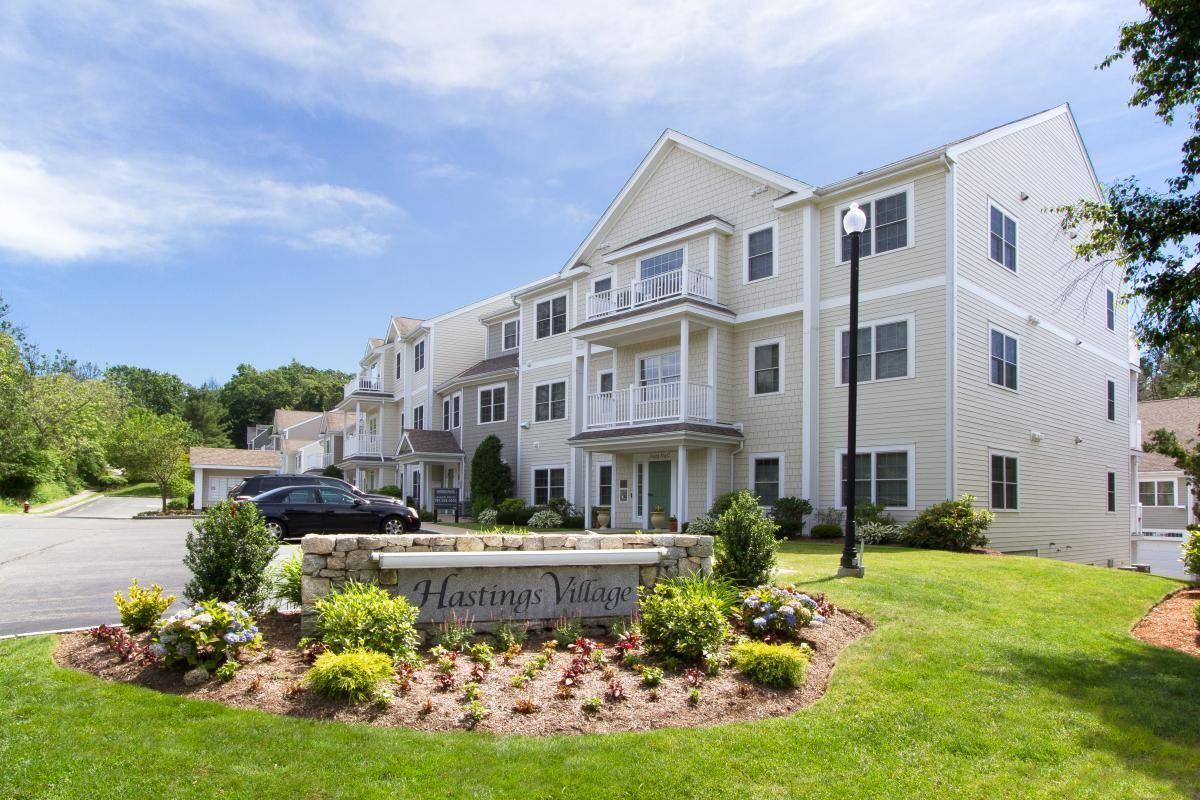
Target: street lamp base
[{"x": 851, "y": 572}]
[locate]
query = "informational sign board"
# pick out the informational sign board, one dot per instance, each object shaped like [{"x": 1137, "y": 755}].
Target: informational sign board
[{"x": 445, "y": 498}]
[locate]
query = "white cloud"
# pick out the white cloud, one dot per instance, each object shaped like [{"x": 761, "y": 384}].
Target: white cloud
[{"x": 68, "y": 208}]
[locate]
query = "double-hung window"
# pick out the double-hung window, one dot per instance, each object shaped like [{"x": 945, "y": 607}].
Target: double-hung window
[
  {"x": 419, "y": 418},
  {"x": 399, "y": 365},
  {"x": 452, "y": 412},
  {"x": 550, "y": 401},
  {"x": 1002, "y": 238},
  {"x": 1004, "y": 482},
  {"x": 552, "y": 316},
  {"x": 766, "y": 476},
  {"x": 766, "y": 367},
  {"x": 884, "y": 352},
  {"x": 548, "y": 482},
  {"x": 511, "y": 334},
  {"x": 1003, "y": 359},
  {"x": 1110, "y": 309},
  {"x": 1112, "y": 491},
  {"x": 419, "y": 356},
  {"x": 1112, "y": 399},
  {"x": 602, "y": 284},
  {"x": 1156, "y": 493},
  {"x": 446, "y": 414},
  {"x": 880, "y": 476},
  {"x": 492, "y": 404},
  {"x": 888, "y": 221},
  {"x": 760, "y": 253},
  {"x": 604, "y": 485}
]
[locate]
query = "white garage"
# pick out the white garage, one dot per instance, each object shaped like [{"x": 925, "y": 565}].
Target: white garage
[
  {"x": 216, "y": 470},
  {"x": 1162, "y": 552}
]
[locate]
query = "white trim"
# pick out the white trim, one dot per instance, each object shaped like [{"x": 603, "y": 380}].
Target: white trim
[
  {"x": 778, "y": 340},
  {"x": 503, "y": 336},
  {"x": 775, "y": 261},
  {"x": 533, "y": 470},
  {"x": 910, "y": 449},
  {"x": 1174, "y": 492},
  {"x": 566, "y": 382},
  {"x": 753, "y": 459},
  {"x": 993, "y": 327},
  {"x": 996, "y": 451},
  {"x": 669, "y": 240},
  {"x": 1116, "y": 504},
  {"x": 886, "y": 292},
  {"x": 646, "y": 256},
  {"x": 911, "y": 348},
  {"x": 479, "y": 390},
  {"x": 600, "y": 373},
  {"x": 1110, "y": 298},
  {"x": 413, "y": 417},
  {"x": 518, "y": 558},
  {"x": 909, "y": 189},
  {"x": 767, "y": 313},
  {"x": 810, "y": 256},
  {"x": 610, "y": 275},
  {"x": 1109, "y": 380},
  {"x": 951, "y": 327},
  {"x": 549, "y": 362},
  {"x": 566, "y": 296},
  {"x": 993, "y": 203},
  {"x": 594, "y": 498}
]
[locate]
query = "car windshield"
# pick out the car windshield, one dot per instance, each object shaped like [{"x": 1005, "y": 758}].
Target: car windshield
[{"x": 275, "y": 495}]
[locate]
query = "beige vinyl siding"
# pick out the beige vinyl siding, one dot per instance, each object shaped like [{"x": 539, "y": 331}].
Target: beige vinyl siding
[
  {"x": 557, "y": 346},
  {"x": 545, "y": 443},
  {"x": 458, "y": 340},
  {"x": 1160, "y": 518},
  {"x": 472, "y": 433}
]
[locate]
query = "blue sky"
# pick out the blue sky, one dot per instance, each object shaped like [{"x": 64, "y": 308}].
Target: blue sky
[{"x": 193, "y": 185}]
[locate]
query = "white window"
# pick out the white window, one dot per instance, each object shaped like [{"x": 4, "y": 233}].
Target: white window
[
  {"x": 446, "y": 414},
  {"x": 492, "y": 404},
  {"x": 606, "y": 381},
  {"x": 549, "y": 482},
  {"x": 883, "y": 475},
  {"x": 552, "y": 317},
  {"x": 604, "y": 485},
  {"x": 889, "y": 223},
  {"x": 661, "y": 263},
  {"x": 661, "y": 368},
  {"x": 884, "y": 351},
  {"x": 1156, "y": 493},
  {"x": 1003, "y": 359},
  {"x": 1112, "y": 399},
  {"x": 452, "y": 412},
  {"x": 550, "y": 401},
  {"x": 415, "y": 492},
  {"x": 1002, "y": 239},
  {"x": 1004, "y": 482},
  {"x": 1112, "y": 491},
  {"x": 766, "y": 477},
  {"x": 760, "y": 252},
  {"x": 399, "y": 365},
  {"x": 766, "y": 367},
  {"x": 419, "y": 418},
  {"x": 419, "y": 356},
  {"x": 511, "y": 334},
  {"x": 1110, "y": 309},
  {"x": 602, "y": 284}
]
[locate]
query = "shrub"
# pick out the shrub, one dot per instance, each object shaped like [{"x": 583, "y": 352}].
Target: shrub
[
  {"x": 746, "y": 545},
  {"x": 949, "y": 525},
  {"x": 702, "y": 525},
  {"x": 780, "y": 665},
  {"x": 355, "y": 675},
  {"x": 205, "y": 634},
  {"x": 456, "y": 634},
  {"x": 143, "y": 607},
  {"x": 825, "y": 531},
  {"x": 1191, "y": 551},
  {"x": 491, "y": 478},
  {"x": 178, "y": 504},
  {"x": 512, "y": 634},
  {"x": 567, "y": 631},
  {"x": 830, "y": 516},
  {"x": 362, "y": 616},
  {"x": 872, "y": 532},
  {"x": 228, "y": 554},
  {"x": 872, "y": 512},
  {"x": 652, "y": 676},
  {"x": 574, "y": 522},
  {"x": 512, "y": 511},
  {"x": 789, "y": 513},
  {"x": 777, "y": 611},
  {"x": 287, "y": 580},
  {"x": 721, "y": 504},
  {"x": 683, "y": 624},
  {"x": 333, "y": 471},
  {"x": 391, "y": 491},
  {"x": 1196, "y": 614},
  {"x": 546, "y": 519},
  {"x": 487, "y": 517},
  {"x": 695, "y": 585}
]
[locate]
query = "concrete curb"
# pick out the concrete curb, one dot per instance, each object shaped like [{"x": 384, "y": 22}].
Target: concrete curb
[{"x": 57, "y": 630}]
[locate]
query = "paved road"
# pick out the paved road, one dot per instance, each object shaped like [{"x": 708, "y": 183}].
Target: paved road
[
  {"x": 61, "y": 572},
  {"x": 112, "y": 507}
]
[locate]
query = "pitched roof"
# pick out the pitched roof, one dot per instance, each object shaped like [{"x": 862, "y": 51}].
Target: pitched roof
[
  {"x": 488, "y": 366},
  {"x": 286, "y": 418},
  {"x": 1180, "y": 415},
  {"x": 673, "y": 229},
  {"x": 292, "y": 445},
  {"x": 405, "y": 324},
  {"x": 423, "y": 441},
  {"x": 337, "y": 421},
  {"x": 229, "y": 457}
]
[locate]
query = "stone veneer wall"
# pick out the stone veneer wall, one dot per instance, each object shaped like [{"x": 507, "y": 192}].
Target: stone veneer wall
[{"x": 331, "y": 560}]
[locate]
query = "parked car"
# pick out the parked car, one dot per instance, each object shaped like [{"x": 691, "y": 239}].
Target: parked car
[
  {"x": 259, "y": 484},
  {"x": 292, "y": 511}
]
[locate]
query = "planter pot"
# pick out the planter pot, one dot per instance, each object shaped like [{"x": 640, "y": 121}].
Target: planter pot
[
  {"x": 674, "y": 526},
  {"x": 602, "y": 519},
  {"x": 657, "y": 518}
]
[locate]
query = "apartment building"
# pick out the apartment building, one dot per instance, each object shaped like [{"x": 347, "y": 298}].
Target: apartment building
[{"x": 692, "y": 344}]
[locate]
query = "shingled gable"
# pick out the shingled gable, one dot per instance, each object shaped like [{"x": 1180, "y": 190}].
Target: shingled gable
[{"x": 423, "y": 442}]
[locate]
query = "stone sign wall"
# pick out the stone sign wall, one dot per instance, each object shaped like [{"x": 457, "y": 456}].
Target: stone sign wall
[{"x": 597, "y": 594}]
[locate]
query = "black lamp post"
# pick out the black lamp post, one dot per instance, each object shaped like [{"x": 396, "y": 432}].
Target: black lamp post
[{"x": 853, "y": 223}]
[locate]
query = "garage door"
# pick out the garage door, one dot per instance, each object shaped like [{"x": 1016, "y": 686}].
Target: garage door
[
  {"x": 1162, "y": 554},
  {"x": 218, "y": 488}
]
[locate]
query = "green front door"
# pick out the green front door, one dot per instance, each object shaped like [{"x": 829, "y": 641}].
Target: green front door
[{"x": 658, "y": 486}]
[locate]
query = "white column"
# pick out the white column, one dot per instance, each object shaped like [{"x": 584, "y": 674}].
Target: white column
[
  {"x": 713, "y": 272},
  {"x": 712, "y": 376},
  {"x": 711, "y": 494},
  {"x": 587, "y": 483},
  {"x": 683, "y": 368},
  {"x": 198, "y": 487},
  {"x": 681, "y": 511},
  {"x": 587, "y": 376}
]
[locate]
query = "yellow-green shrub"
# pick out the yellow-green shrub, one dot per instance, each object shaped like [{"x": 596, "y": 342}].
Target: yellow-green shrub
[
  {"x": 356, "y": 675},
  {"x": 143, "y": 607},
  {"x": 780, "y": 665}
]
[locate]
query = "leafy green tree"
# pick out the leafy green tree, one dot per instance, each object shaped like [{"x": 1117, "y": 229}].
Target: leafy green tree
[
  {"x": 17, "y": 453},
  {"x": 491, "y": 478},
  {"x": 252, "y": 396},
  {"x": 154, "y": 447},
  {"x": 72, "y": 418},
  {"x": 1152, "y": 235},
  {"x": 161, "y": 392},
  {"x": 1169, "y": 374},
  {"x": 1186, "y": 457},
  {"x": 203, "y": 410}
]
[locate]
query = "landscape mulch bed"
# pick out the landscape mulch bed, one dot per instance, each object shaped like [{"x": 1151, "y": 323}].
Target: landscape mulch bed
[
  {"x": 1171, "y": 624},
  {"x": 270, "y": 680}
]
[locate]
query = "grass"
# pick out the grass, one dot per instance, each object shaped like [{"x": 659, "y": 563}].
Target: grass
[
  {"x": 147, "y": 489},
  {"x": 986, "y": 678},
  {"x": 45, "y": 492}
]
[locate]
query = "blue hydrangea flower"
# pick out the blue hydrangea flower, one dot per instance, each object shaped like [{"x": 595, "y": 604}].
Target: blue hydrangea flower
[
  {"x": 759, "y": 622},
  {"x": 818, "y": 619}
]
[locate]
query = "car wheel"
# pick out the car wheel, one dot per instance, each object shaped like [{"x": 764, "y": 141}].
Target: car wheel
[
  {"x": 393, "y": 526},
  {"x": 277, "y": 528}
]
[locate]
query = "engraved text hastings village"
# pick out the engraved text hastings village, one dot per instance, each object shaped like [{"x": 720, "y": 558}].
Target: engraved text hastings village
[{"x": 451, "y": 594}]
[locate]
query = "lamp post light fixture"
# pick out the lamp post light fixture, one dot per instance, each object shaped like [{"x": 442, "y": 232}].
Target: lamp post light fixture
[{"x": 854, "y": 223}]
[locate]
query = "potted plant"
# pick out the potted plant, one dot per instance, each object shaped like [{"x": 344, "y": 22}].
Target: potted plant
[
  {"x": 657, "y": 518},
  {"x": 602, "y": 516},
  {"x": 673, "y": 524}
]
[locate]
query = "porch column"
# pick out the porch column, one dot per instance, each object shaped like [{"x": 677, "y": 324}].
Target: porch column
[
  {"x": 711, "y": 493},
  {"x": 712, "y": 376},
  {"x": 587, "y": 483},
  {"x": 587, "y": 375},
  {"x": 681, "y": 512},
  {"x": 683, "y": 369},
  {"x": 424, "y": 484},
  {"x": 198, "y": 487}
]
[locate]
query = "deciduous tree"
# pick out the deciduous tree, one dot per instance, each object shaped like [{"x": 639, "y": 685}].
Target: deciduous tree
[{"x": 153, "y": 446}]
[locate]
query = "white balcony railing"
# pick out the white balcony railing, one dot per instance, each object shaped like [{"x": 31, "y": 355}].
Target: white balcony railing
[
  {"x": 655, "y": 289},
  {"x": 362, "y": 444},
  {"x": 362, "y": 383},
  {"x": 642, "y": 405}
]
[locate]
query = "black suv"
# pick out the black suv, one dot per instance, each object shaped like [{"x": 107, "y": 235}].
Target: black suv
[{"x": 257, "y": 484}]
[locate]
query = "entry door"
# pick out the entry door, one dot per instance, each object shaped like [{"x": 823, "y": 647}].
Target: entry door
[{"x": 658, "y": 486}]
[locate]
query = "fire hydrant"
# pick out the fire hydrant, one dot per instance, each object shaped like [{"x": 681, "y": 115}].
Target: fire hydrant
[{"x": 26, "y": 506}]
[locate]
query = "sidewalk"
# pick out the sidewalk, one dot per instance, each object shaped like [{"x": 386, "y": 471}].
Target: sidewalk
[{"x": 63, "y": 505}]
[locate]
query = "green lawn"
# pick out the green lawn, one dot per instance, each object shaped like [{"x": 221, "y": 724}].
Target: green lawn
[
  {"x": 986, "y": 678},
  {"x": 148, "y": 489}
]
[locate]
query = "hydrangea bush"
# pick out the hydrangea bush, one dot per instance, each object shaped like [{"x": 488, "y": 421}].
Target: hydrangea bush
[
  {"x": 205, "y": 634},
  {"x": 702, "y": 525},
  {"x": 487, "y": 517},
  {"x": 546, "y": 519},
  {"x": 778, "y": 612}
]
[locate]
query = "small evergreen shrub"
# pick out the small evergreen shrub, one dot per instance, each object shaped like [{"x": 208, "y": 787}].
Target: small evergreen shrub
[
  {"x": 512, "y": 511},
  {"x": 204, "y": 634},
  {"x": 825, "y": 531},
  {"x": 782, "y": 666},
  {"x": 491, "y": 478},
  {"x": 391, "y": 491},
  {"x": 721, "y": 504},
  {"x": 872, "y": 512},
  {"x": 789, "y": 514},
  {"x": 1191, "y": 551},
  {"x": 334, "y": 471},
  {"x": 702, "y": 525},
  {"x": 362, "y": 616},
  {"x": 574, "y": 522},
  {"x": 141, "y": 610},
  {"x": 680, "y": 623},
  {"x": 355, "y": 675},
  {"x": 950, "y": 525},
  {"x": 746, "y": 546},
  {"x": 287, "y": 580},
  {"x": 872, "y": 532},
  {"x": 178, "y": 504},
  {"x": 487, "y": 517},
  {"x": 228, "y": 553},
  {"x": 545, "y": 519}
]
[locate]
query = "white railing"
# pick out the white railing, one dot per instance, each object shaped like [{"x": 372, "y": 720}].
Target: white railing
[
  {"x": 362, "y": 383},
  {"x": 655, "y": 289},
  {"x": 362, "y": 444},
  {"x": 641, "y": 405},
  {"x": 313, "y": 456}
]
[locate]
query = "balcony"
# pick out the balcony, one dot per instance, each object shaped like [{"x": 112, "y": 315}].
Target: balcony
[
  {"x": 648, "y": 291},
  {"x": 314, "y": 457},
  {"x": 362, "y": 383},
  {"x": 362, "y": 444},
  {"x": 646, "y": 405}
]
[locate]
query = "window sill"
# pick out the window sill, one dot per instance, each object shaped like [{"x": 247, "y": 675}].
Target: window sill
[
  {"x": 746, "y": 281},
  {"x": 861, "y": 259},
  {"x": 1003, "y": 388},
  {"x": 778, "y": 393},
  {"x": 840, "y": 385}
]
